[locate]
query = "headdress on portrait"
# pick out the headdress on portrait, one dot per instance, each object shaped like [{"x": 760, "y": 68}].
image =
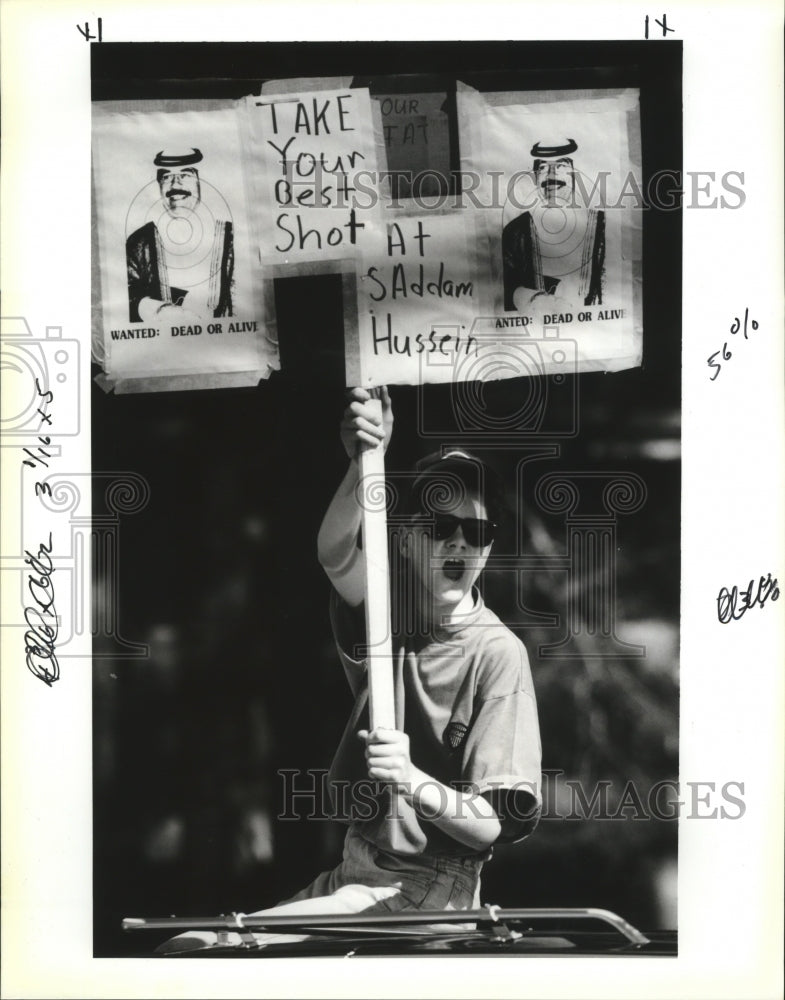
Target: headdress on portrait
[
  {"x": 547, "y": 152},
  {"x": 178, "y": 159}
]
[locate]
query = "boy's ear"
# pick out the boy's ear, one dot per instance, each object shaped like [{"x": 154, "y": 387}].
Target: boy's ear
[{"x": 405, "y": 542}]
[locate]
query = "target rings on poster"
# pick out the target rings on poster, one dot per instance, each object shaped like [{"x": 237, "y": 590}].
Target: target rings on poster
[
  {"x": 187, "y": 232},
  {"x": 562, "y": 227}
]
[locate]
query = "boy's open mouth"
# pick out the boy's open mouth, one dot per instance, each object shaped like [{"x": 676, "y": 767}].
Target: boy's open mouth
[{"x": 453, "y": 569}]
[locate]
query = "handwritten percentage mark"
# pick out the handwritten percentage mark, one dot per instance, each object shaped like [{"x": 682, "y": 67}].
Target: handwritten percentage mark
[{"x": 735, "y": 327}]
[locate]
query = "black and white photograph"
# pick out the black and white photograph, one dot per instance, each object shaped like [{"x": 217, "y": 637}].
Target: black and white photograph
[
  {"x": 490, "y": 724},
  {"x": 390, "y": 558}
]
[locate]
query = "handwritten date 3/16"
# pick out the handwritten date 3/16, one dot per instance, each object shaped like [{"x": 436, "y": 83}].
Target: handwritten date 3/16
[
  {"x": 732, "y": 604},
  {"x": 41, "y": 617}
]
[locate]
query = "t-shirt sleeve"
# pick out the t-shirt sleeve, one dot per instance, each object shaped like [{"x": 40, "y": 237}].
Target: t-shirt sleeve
[
  {"x": 348, "y": 626},
  {"x": 502, "y": 753}
]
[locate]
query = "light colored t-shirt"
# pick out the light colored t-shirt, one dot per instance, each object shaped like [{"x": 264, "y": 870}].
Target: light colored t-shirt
[{"x": 464, "y": 697}]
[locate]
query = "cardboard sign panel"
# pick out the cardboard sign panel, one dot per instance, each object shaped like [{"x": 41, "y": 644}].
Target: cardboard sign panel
[
  {"x": 416, "y": 303},
  {"x": 417, "y": 142},
  {"x": 315, "y": 174}
]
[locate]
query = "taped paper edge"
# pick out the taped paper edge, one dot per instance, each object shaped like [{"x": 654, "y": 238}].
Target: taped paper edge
[
  {"x": 182, "y": 383},
  {"x": 305, "y": 84}
]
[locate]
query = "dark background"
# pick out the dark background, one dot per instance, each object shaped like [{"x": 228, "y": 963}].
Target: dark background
[{"x": 218, "y": 573}]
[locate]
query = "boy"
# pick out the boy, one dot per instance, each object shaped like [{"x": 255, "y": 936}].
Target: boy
[{"x": 425, "y": 801}]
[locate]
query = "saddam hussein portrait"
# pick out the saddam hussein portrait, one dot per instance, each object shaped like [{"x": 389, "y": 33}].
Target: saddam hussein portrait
[
  {"x": 182, "y": 259},
  {"x": 553, "y": 247}
]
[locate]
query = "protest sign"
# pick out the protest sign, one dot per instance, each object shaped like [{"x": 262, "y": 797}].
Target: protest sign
[
  {"x": 417, "y": 299},
  {"x": 315, "y": 170}
]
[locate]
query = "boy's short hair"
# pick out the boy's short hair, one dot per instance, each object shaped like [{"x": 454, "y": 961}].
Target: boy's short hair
[{"x": 442, "y": 479}]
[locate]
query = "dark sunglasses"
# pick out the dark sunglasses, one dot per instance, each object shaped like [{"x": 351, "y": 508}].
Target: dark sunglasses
[{"x": 477, "y": 531}]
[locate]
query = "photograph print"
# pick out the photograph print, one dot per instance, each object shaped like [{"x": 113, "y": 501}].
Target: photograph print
[{"x": 255, "y": 792}]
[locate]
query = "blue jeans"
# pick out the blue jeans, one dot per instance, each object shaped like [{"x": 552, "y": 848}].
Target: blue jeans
[{"x": 370, "y": 880}]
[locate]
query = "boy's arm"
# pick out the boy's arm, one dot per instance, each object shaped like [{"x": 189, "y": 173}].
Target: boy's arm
[
  {"x": 338, "y": 540},
  {"x": 467, "y": 818},
  {"x": 339, "y": 536}
]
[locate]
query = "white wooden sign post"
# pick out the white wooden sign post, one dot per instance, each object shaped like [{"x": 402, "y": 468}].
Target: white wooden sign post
[{"x": 377, "y": 587}]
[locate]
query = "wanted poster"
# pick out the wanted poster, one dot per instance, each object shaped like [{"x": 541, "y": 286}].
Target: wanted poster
[
  {"x": 181, "y": 290},
  {"x": 559, "y": 193}
]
